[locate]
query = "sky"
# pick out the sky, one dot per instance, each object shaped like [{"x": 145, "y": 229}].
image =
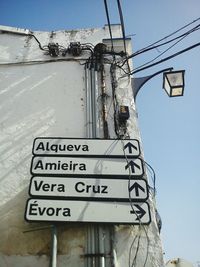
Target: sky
[{"x": 170, "y": 127}]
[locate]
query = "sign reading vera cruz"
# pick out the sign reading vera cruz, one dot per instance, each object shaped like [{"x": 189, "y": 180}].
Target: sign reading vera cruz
[{"x": 69, "y": 174}]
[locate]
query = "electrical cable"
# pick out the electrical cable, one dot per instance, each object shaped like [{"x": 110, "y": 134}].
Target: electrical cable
[
  {"x": 165, "y": 59},
  {"x": 136, "y": 252},
  {"x": 85, "y": 46},
  {"x": 153, "y": 44},
  {"x": 88, "y": 44},
  {"x": 162, "y": 44},
  {"x": 148, "y": 48},
  {"x": 40, "y": 46},
  {"x": 167, "y": 42},
  {"x": 113, "y": 84},
  {"x": 141, "y": 226},
  {"x": 34, "y": 62},
  {"x": 148, "y": 243},
  {"x": 152, "y": 60},
  {"x": 123, "y": 31},
  {"x": 109, "y": 26},
  {"x": 130, "y": 250},
  {"x": 133, "y": 262},
  {"x": 152, "y": 176},
  {"x": 26, "y": 34}
]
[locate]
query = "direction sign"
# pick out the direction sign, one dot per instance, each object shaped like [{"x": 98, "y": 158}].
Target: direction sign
[
  {"x": 86, "y": 147},
  {"x": 66, "y": 166},
  {"x": 90, "y": 188},
  {"x": 84, "y": 211}
]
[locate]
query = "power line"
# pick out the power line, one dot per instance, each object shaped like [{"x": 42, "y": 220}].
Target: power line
[
  {"x": 153, "y": 46},
  {"x": 183, "y": 36},
  {"x": 165, "y": 59},
  {"x": 109, "y": 26},
  {"x": 167, "y": 42},
  {"x": 160, "y": 40},
  {"x": 123, "y": 31}
]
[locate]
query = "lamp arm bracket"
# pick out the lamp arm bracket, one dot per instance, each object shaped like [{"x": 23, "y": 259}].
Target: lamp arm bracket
[{"x": 137, "y": 83}]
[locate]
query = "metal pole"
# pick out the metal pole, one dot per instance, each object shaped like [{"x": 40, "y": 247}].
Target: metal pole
[
  {"x": 98, "y": 237},
  {"x": 89, "y": 83},
  {"x": 53, "y": 256}
]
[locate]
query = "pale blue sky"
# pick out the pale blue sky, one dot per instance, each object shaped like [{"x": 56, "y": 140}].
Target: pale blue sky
[{"x": 170, "y": 127}]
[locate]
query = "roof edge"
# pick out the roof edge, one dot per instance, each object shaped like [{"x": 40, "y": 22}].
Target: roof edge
[{"x": 15, "y": 30}]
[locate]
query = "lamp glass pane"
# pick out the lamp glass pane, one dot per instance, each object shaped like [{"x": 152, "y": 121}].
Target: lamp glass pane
[
  {"x": 178, "y": 91},
  {"x": 175, "y": 79},
  {"x": 166, "y": 86}
]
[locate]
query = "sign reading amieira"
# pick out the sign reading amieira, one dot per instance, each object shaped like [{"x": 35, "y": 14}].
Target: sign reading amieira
[{"x": 66, "y": 166}]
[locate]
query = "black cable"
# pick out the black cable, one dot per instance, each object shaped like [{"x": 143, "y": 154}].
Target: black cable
[
  {"x": 138, "y": 218},
  {"x": 28, "y": 34},
  {"x": 40, "y": 46},
  {"x": 88, "y": 44},
  {"x": 113, "y": 85},
  {"x": 168, "y": 35},
  {"x": 162, "y": 44},
  {"x": 152, "y": 60},
  {"x": 88, "y": 48},
  {"x": 85, "y": 46},
  {"x": 109, "y": 26},
  {"x": 136, "y": 253},
  {"x": 122, "y": 23},
  {"x": 40, "y": 61},
  {"x": 152, "y": 176},
  {"x": 130, "y": 250},
  {"x": 165, "y": 59},
  {"x": 123, "y": 31}
]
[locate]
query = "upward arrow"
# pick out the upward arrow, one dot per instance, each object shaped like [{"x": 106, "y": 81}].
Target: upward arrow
[
  {"x": 136, "y": 186},
  {"x": 130, "y": 146},
  {"x": 140, "y": 212},
  {"x": 132, "y": 165}
]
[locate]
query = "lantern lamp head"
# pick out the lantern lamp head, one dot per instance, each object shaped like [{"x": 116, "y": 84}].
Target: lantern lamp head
[{"x": 173, "y": 83}]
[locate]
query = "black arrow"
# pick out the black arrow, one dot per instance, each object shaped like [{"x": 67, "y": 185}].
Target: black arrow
[
  {"x": 140, "y": 212},
  {"x": 129, "y": 145},
  {"x": 132, "y": 165},
  {"x": 136, "y": 186}
]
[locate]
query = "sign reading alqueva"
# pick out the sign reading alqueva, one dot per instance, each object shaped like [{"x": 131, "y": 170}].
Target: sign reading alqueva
[{"x": 86, "y": 147}]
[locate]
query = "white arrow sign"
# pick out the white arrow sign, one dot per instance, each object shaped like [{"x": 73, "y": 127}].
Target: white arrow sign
[
  {"x": 91, "y": 188},
  {"x": 84, "y": 211},
  {"x": 86, "y": 147},
  {"x": 66, "y": 166}
]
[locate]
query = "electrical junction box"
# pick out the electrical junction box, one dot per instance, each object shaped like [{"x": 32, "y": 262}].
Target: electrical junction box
[{"x": 123, "y": 114}]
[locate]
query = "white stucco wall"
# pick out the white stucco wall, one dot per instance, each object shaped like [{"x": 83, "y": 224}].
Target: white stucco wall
[{"x": 49, "y": 99}]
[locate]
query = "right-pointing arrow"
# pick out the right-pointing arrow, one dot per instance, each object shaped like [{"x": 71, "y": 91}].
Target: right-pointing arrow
[
  {"x": 139, "y": 212},
  {"x": 136, "y": 186}
]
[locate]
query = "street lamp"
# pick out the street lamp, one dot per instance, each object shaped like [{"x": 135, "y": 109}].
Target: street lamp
[{"x": 173, "y": 83}]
